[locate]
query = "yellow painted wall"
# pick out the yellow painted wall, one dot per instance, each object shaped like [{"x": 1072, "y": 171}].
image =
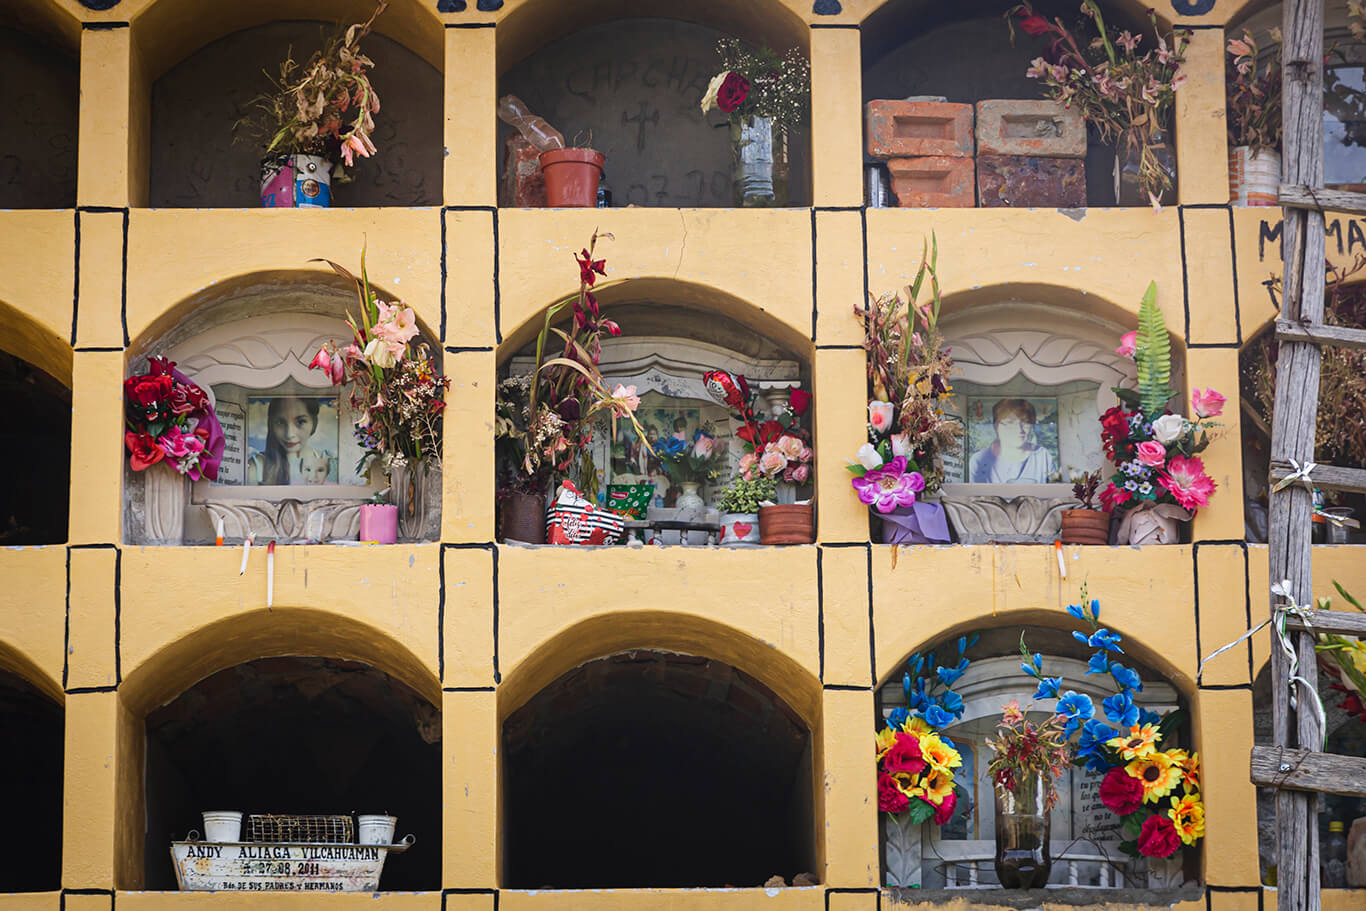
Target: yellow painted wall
[{"x": 819, "y": 624}]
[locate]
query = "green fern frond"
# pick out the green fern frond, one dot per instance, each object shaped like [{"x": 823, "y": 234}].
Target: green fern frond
[{"x": 1153, "y": 355}]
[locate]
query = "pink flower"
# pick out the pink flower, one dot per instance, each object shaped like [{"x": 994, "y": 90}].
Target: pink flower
[
  {"x": 888, "y": 487},
  {"x": 321, "y": 361},
  {"x": 791, "y": 447},
  {"x": 746, "y": 467},
  {"x": 354, "y": 145},
  {"x": 880, "y": 415},
  {"x": 1152, "y": 453},
  {"x": 396, "y": 324},
  {"x": 1207, "y": 403},
  {"x": 704, "y": 446},
  {"x": 772, "y": 462},
  {"x": 626, "y": 395},
  {"x": 1185, "y": 478},
  {"x": 801, "y": 473},
  {"x": 1128, "y": 344}
]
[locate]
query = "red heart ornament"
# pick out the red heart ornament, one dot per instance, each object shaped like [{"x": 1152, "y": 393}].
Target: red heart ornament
[{"x": 742, "y": 529}]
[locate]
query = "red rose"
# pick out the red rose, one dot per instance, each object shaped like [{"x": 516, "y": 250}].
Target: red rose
[
  {"x": 149, "y": 395},
  {"x": 889, "y": 797},
  {"x": 159, "y": 366},
  {"x": 1121, "y": 792},
  {"x": 904, "y": 756},
  {"x": 944, "y": 812},
  {"x": 1115, "y": 422},
  {"x": 1113, "y": 496},
  {"x": 1158, "y": 837},
  {"x": 733, "y": 92},
  {"x": 1033, "y": 23},
  {"x": 145, "y": 450},
  {"x": 801, "y": 400}
]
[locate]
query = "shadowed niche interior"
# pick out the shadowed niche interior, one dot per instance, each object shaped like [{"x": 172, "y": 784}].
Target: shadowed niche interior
[
  {"x": 31, "y": 766},
  {"x": 34, "y": 511},
  {"x": 297, "y": 735},
  {"x": 655, "y": 769}
]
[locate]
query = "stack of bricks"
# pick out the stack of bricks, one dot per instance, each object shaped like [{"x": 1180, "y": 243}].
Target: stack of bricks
[
  {"x": 928, "y": 149},
  {"x": 1030, "y": 154}
]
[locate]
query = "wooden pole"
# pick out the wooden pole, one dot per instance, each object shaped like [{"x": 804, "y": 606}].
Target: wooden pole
[{"x": 1296, "y": 408}]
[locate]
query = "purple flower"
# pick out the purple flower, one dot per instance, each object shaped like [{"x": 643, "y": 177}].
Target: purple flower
[{"x": 890, "y": 486}]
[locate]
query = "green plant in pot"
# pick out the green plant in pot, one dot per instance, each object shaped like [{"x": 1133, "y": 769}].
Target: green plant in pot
[
  {"x": 739, "y": 505},
  {"x": 1087, "y": 523}
]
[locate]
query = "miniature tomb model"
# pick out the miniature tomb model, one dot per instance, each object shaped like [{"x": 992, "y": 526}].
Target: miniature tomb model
[{"x": 286, "y": 853}]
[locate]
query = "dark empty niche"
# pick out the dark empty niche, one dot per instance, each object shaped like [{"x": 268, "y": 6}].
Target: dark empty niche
[
  {"x": 35, "y": 511},
  {"x": 38, "y": 157},
  {"x": 654, "y": 769},
  {"x": 195, "y": 162},
  {"x": 297, "y": 735},
  {"x": 31, "y": 767}
]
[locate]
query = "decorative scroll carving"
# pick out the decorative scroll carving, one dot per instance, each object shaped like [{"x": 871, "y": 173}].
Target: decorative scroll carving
[
  {"x": 287, "y": 520},
  {"x": 987, "y": 519}
]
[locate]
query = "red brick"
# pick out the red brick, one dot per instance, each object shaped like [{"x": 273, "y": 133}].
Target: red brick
[
  {"x": 522, "y": 185},
  {"x": 1022, "y": 181},
  {"x": 905, "y": 129},
  {"x": 1039, "y": 128},
  {"x": 932, "y": 182}
]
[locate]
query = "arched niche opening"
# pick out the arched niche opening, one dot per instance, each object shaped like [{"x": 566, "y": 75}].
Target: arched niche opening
[
  {"x": 42, "y": 78},
  {"x": 1047, "y": 356},
  {"x": 735, "y": 760},
  {"x": 1085, "y": 835},
  {"x": 35, "y": 445},
  {"x": 33, "y": 768},
  {"x": 627, "y": 80},
  {"x": 963, "y": 53},
  {"x": 195, "y": 161},
  {"x": 248, "y": 343},
  {"x": 297, "y": 735},
  {"x": 673, "y": 333},
  {"x": 1346, "y": 737}
]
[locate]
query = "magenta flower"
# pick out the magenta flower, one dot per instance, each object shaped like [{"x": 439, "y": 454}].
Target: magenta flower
[
  {"x": 1185, "y": 478},
  {"x": 890, "y": 486},
  {"x": 1152, "y": 453},
  {"x": 1207, "y": 403},
  {"x": 1128, "y": 344}
]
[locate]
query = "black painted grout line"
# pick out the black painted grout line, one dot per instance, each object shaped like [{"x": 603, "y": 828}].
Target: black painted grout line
[
  {"x": 1212, "y": 345},
  {"x": 497, "y": 285},
  {"x": 103, "y": 26},
  {"x": 118, "y": 616},
  {"x": 837, "y": 348},
  {"x": 469, "y": 689},
  {"x": 820, "y": 614},
  {"x": 847, "y": 687},
  {"x": 844, "y": 544},
  {"x": 468, "y": 545},
  {"x": 852, "y": 25},
  {"x": 469, "y": 208},
  {"x": 1207, "y": 205},
  {"x": 467, "y": 349},
  {"x": 497, "y": 674},
  {"x": 872, "y": 630},
  {"x": 1185, "y": 277},
  {"x": 98, "y": 350},
  {"x": 1237, "y": 304},
  {"x": 441, "y": 615},
  {"x": 471, "y": 25},
  {"x": 108, "y": 210},
  {"x": 838, "y": 208},
  {"x": 814, "y": 310},
  {"x": 1224, "y": 687},
  {"x": 443, "y": 276},
  {"x": 66, "y": 636},
  {"x": 76, "y": 278},
  {"x": 123, "y": 283},
  {"x": 84, "y": 690},
  {"x": 1195, "y": 588}
]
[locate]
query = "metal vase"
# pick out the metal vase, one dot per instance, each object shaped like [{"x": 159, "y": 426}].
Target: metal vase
[
  {"x": 759, "y": 150},
  {"x": 408, "y": 487}
]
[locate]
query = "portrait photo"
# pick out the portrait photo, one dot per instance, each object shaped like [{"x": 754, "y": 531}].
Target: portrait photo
[
  {"x": 1013, "y": 440},
  {"x": 292, "y": 440}
]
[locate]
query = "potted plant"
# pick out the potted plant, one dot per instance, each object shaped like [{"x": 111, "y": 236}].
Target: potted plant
[
  {"x": 572, "y": 176},
  {"x": 739, "y": 506},
  {"x": 544, "y": 420},
  {"x": 764, "y": 97},
  {"x": 169, "y": 422},
  {"x": 317, "y": 118},
  {"x": 1254, "y": 122},
  {"x": 1159, "y": 479},
  {"x": 1126, "y": 96},
  {"x": 908, "y": 429},
  {"x": 1086, "y": 525},
  {"x": 397, "y": 394}
]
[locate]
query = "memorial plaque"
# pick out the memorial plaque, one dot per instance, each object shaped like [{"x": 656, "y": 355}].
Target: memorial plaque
[{"x": 267, "y": 867}]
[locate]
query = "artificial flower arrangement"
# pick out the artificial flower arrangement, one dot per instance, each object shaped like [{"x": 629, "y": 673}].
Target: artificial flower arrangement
[
  {"x": 1154, "y": 450},
  {"x": 1127, "y": 96},
  {"x": 915, "y": 761},
  {"x": 908, "y": 375},
  {"x": 1253, "y": 85},
  {"x": 759, "y": 83},
  {"x": 397, "y": 393},
  {"x": 701, "y": 459},
  {"x": 779, "y": 447},
  {"x": 545, "y": 420},
  {"x": 1343, "y": 661},
  {"x": 1155, "y": 793},
  {"x": 1024, "y": 748},
  {"x": 323, "y": 107},
  {"x": 170, "y": 420}
]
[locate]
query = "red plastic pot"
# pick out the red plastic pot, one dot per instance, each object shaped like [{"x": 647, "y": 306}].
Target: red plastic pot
[{"x": 571, "y": 177}]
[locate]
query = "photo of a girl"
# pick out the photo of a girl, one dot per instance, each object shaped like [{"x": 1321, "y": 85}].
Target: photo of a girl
[{"x": 281, "y": 433}]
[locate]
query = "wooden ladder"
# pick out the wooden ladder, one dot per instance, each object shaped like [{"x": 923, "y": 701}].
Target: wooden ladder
[{"x": 1294, "y": 765}]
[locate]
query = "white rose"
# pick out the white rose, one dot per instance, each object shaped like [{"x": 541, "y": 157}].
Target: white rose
[
  {"x": 880, "y": 415},
  {"x": 1168, "y": 428},
  {"x": 868, "y": 457},
  {"x": 709, "y": 99},
  {"x": 901, "y": 445}
]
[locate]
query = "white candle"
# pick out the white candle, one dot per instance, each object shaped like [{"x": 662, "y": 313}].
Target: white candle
[
  {"x": 246, "y": 549},
  {"x": 218, "y": 542},
  {"x": 1062, "y": 564},
  {"x": 270, "y": 574}
]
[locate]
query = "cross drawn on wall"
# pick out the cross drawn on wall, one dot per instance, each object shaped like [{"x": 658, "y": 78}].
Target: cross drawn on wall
[{"x": 642, "y": 119}]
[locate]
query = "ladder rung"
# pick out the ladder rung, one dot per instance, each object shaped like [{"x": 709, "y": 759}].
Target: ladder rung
[
  {"x": 1325, "y": 477},
  {"x": 1298, "y": 196},
  {"x": 1334, "y": 336},
  {"x": 1305, "y": 770},
  {"x": 1344, "y": 623}
]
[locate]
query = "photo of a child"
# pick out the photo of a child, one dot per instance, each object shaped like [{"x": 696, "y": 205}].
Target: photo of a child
[{"x": 292, "y": 439}]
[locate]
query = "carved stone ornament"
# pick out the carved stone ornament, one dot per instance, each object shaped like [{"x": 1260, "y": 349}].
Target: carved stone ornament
[
  {"x": 988, "y": 519},
  {"x": 165, "y": 492}
]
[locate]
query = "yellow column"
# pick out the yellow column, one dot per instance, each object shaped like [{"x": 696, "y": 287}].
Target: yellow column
[
  {"x": 467, "y": 470},
  {"x": 846, "y": 616},
  {"x": 102, "y": 832},
  {"x": 851, "y": 822},
  {"x": 471, "y": 169},
  {"x": 1222, "y": 519},
  {"x": 97, "y": 451},
  {"x": 470, "y": 845},
  {"x": 1201, "y": 134},
  {"x": 114, "y": 120},
  {"x": 1223, "y": 722},
  {"x": 841, "y": 407},
  {"x": 836, "y": 117}
]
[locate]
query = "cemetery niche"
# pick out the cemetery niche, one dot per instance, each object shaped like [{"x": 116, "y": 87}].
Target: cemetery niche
[
  {"x": 38, "y": 161},
  {"x": 32, "y": 767},
  {"x": 35, "y": 511}
]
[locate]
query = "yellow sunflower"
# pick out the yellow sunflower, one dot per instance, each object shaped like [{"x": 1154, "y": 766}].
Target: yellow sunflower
[
  {"x": 885, "y": 738},
  {"x": 938, "y": 785},
  {"x": 917, "y": 725},
  {"x": 941, "y": 757},
  {"x": 910, "y": 785},
  {"x": 1157, "y": 774},
  {"x": 1188, "y": 815},
  {"x": 1139, "y": 743},
  {"x": 1190, "y": 770}
]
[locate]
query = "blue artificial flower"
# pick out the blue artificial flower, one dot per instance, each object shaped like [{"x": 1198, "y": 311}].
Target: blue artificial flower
[
  {"x": 1147, "y": 717},
  {"x": 897, "y": 718},
  {"x": 906, "y": 686},
  {"x": 1126, "y": 677},
  {"x": 1131, "y": 485},
  {"x": 1099, "y": 663},
  {"x": 948, "y": 743},
  {"x": 1101, "y": 638},
  {"x": 950, "y": 675},
  {"x": 952, "y": 703},
  {"x": 1076, "y": 708},
  {"x": 962, "y": 644},
  {"x": 1091, "y": 744},
  {"x": 1048, "y": 688},
  {"x": 936, "y": 717},
  {"x": 1121, "y": 710},
  {"x": 672, "y": 445},
  {"x": 917, "y": 699},
  {"x": 1038, "y": 661},
  {"x": 1095, "y": 608},
  {"x": 1076, "y": 610},
  {"x": 916, "y": 663},
  {"x": 1028, "y": 669}
]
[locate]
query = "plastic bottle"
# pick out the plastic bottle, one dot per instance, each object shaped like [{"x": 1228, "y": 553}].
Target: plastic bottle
[
  {"x": 535, "y": 130},
  {"x": 1334, "y": 872}
]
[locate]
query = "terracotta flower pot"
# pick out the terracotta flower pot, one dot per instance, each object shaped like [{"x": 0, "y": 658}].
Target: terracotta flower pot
[
  {"x": 524, "y": 518},
  {"x": 1085, "y": 526},
  {"x": 785, "y": 524},
  {"x": 571, "y": 177}
]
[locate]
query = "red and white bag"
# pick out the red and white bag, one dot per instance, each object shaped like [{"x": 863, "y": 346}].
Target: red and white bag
[{"x": 573, "y": 519}]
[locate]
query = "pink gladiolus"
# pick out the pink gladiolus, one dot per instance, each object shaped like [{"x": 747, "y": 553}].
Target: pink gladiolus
[
  {"x": 396, "y": 323},
  {"x": 1185, "y": 478},
  {"x": 1128, "y": 344},
  {"x": 354, "y": 145},
  {"x": 321, "y": 361},
  {"x": 1152, "y": 453},
  {"x": 1207, "y": 403},
  {"x": 626, "y": 395}
]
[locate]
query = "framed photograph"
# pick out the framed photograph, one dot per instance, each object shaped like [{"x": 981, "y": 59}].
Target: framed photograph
[
  {"x": 292, "y": 440},
  {"x": 1012, "y": 440}
]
